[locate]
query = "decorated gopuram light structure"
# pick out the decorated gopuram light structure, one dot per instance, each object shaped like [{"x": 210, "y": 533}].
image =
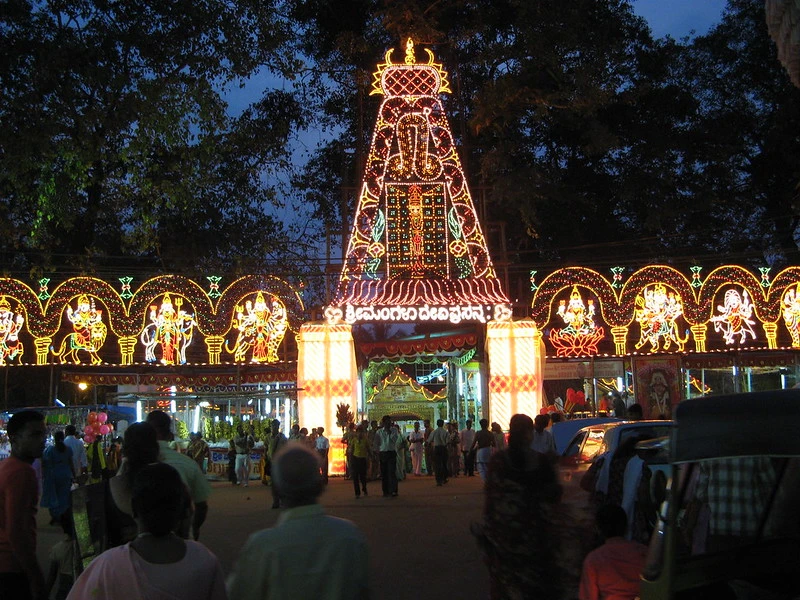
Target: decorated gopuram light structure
[
  {"x": 416, "y": 254},
  {"x": 666, "y": 334}
]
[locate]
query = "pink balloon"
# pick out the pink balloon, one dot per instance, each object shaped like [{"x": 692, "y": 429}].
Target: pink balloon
[
  {"x": 104, "y": 429},
  {"x": 88, "y": 438},
  {"x": 92, "y": 417},
  {"x": 102, "y": 417},
  {"x": 88, "y": 430}
]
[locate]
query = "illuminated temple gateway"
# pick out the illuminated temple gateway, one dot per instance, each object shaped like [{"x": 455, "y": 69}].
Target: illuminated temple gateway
[
  {"x": 417, "y": 262},
  {"x": 420, "y": 327}
]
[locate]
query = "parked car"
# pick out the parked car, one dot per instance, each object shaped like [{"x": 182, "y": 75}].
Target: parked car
[
  {"x": 564, "y": 431},
  {"x": 730, "y": 526},
  {"x": 605, "y": 438}
]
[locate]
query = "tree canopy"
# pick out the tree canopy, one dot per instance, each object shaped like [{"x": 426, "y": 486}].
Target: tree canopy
[{"x": 118, "y": 149}]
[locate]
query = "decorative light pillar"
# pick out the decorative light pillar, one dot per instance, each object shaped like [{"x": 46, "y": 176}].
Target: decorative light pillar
[
  {"x": 42, "y": 345},
  {"x": 326, "y": 377},
  {"x": 620, "y": 335},
  {"x": 214, "y": 345},
  {"x": 699, "y": 333},
  {"x": 516, "y": 366},
  {"x": 127, "y": 345},
  {"x": 771, "y": 331}
]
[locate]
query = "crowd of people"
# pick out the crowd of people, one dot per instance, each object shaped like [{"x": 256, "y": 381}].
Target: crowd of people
[
  {"x": 534, "y": 544},
  {"x": 384, "y": 452}
]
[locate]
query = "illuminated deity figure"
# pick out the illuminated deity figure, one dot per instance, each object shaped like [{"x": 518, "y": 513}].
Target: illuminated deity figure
[
  {"x": 580, "y": 336},
  {"x": 10, "y": 325},
  {"x": 575, "y": 314},
  {"x": 735, "y": 318},
  {"x": 261, "y": 329},
  {"x": 657, "y": 312},
  {"x": 89, "y": 332},
  {"x": 790, "y": 307},
  {"x": 171, "y": 328}
]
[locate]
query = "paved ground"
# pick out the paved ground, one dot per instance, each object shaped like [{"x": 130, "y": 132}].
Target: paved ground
[{"x": 420, "y": 544}]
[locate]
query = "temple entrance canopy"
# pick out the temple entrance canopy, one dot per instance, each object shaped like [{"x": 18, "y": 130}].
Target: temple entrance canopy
[
  {"x": 404, "y": 399},
  {"x": 417, "y": 253}
]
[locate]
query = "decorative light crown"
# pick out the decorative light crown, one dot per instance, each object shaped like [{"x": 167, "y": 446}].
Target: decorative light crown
[{"x": 409, "y": 78}]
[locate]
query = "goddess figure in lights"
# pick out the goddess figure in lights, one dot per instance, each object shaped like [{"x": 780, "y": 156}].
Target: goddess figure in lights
[
  {"x": 735, "y": 316},
  {"x": 170, "y": 328},
  {"x": 581, "y": 335},
  {"x": 10, "y": 325},
  {"x": 657, "y": 312},
  {"x": 88, "y": 335},
  {"x": 790, "y": 307},
  {"x": 577, "y": 318},
  {"x": 261, "y": 330}
]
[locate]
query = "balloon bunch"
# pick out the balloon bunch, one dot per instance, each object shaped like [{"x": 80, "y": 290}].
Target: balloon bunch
[{"x": 96, "y": 426}]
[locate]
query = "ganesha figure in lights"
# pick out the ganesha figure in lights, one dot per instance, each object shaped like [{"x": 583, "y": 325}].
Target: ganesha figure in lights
[
  {"x": 261, "y": 328},
  {"x": 790, "y": 307},
  {"x": 11, "y": 323},
  {"x": 581, "y": 335},
  {"x": 170, "y": 329},
  {"x": 88, "y": 335},
  {"x": 734, "y": 318},
  {"x": 657, "y": 312}
]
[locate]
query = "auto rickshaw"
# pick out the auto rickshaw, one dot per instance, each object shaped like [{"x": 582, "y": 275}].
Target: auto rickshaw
[{"x": 730, "y": 524}]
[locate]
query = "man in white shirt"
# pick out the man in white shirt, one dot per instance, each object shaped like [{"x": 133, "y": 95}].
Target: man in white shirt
[
  {"x": 323, "y": 446},
  {"x": 308, "y": 554},
  {"x": 438, "y": 440},
  {"x": 416, "y": 440},
  {"x": 243, "y": 444},
  {"x": 387, "y": 440},
  {"x": 80, "y": 464},
  {"x": 467, "y": 437}
]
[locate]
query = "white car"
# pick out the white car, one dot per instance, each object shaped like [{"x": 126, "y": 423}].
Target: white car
[{"x": 594, "y": 440}]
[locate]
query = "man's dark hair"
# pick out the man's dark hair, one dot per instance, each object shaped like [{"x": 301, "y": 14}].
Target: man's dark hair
[
  {"x": 635, "y": 410},
  {"x": 70, "y": 430},
  {"x": 440, "y": 423},
  {"x": 159, "y": 498},
  {"x": 541, "y": 421},
  {"x": 19, "y": 420},
  {"x": 484, "y": 423},
  {"x": 612, "y": 521},
  {"x": 161, "y": 422}
]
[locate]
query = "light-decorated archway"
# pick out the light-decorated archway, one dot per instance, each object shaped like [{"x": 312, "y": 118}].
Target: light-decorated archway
[
  {"x": 167, "y": 320},
  {"x": 657, "y": 309}
]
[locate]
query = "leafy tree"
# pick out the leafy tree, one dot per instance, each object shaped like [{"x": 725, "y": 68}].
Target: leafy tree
[
  {"x": 744, "y": 143},
  {"x": 117, "y": 140}
]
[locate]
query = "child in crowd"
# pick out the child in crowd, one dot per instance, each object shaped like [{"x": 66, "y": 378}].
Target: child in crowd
[{"x": 62, "y": 562}]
